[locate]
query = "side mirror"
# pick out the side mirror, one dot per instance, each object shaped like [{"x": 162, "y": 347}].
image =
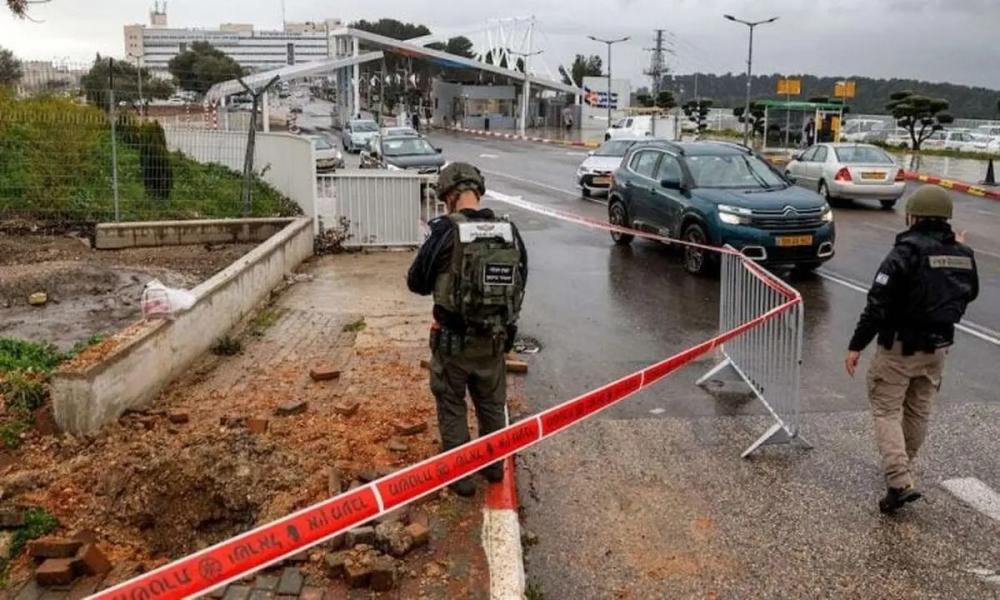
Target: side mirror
[
  {"x": 672, "y": 184},
  {"x": 798, "y": 156},
  {"x": 439, "y": 150}
]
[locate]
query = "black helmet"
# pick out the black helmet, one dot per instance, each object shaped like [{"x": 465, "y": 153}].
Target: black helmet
[{"x": 458, "y": 175}]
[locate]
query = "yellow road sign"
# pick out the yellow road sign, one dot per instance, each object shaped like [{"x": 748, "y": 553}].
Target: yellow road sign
[
  {"x": 789, "y": 87},
  {"x": 844, "y": 89}
]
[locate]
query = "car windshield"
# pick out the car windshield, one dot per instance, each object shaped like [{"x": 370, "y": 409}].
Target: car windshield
[
  {"x": 364, "y": 126},
  {"x": 406, "y": 147},
  {"x": 734, "y": 171},
  {"x": 321, "y": 144},
  {"x": 862, "y": 154},
  {"x": 614, "y": 148}
]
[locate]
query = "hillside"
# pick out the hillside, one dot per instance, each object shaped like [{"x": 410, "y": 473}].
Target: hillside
[{"x": 729, "y": 90}]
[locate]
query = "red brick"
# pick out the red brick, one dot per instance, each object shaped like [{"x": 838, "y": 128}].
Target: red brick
[
  {"x": 347, "y": 408},
  {"x": 52, "y": 547},
  {"x": 516, "y": 366},
  {"x": 324, "y": 372},
  {"x": 55, "y": 571},
  {"x": 357, "y": 575},
  {"x": 410, "y": 427},
  {"x": 336, "y": 564},
  {"x": 178, "y": 417},
  {"x": 91, "y": 561},
  {"x": 257, "y": 425},
  {"x": 420, "y": 534}
]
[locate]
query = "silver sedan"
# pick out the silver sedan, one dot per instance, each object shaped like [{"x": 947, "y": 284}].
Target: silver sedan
[{"x": 849, "y": 172}]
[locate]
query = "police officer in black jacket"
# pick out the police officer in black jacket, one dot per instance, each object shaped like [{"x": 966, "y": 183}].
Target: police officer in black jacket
[{"x": 920, "y": 292}]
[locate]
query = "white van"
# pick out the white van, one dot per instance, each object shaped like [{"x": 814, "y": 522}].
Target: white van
[{"x": 642, "y": 126}]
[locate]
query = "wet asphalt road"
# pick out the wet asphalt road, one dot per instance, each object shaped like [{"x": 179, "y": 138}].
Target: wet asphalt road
[{"x": 651, "y": 500}]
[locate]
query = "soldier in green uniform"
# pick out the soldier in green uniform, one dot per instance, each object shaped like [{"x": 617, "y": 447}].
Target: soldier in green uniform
[{"x": 475, "y": 265}]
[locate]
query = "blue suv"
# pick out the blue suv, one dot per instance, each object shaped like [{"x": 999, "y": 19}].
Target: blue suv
[{"x": 718, "y": 193}]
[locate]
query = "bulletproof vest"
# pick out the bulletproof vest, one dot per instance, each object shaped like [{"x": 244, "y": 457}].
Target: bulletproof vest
[
  {"x": 941, "y": 284},
  {"x": 483, "y": 283}
]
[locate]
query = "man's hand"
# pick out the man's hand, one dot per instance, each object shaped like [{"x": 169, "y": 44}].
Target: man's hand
[
  {"x": 851, "y": 362},
  {"x": 960, "y": 236}
]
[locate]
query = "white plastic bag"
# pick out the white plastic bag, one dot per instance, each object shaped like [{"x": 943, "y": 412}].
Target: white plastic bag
[{"x": 161, "y": 302}]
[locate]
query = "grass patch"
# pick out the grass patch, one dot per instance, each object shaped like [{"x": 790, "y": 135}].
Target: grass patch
[
  {"x": 534, "y": 592},
  {"x": 10, "y": 432},
  {"x": 227, "y": 346},
  {"x": 19, "y": 355},
  {"x": 82, "y": 345},
  {"x": 355, "y": 326},
  {"x": 23, "y": 391},
  {"x": 37, "y": 523},
  {"x": 265, "y": 320}
]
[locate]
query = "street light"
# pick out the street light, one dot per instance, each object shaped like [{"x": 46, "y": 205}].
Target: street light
[
  {"x": 526, "y": 87},
  {"x": 746, "y": 108},
  {"x": 609, "y": 43}
]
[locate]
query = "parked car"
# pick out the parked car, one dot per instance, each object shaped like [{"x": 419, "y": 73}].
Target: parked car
[
  {"x": 403, "y": 152},
  {"x": 357, "y": 133},
  {"x": 854, "y": 130},
  {"x": 594, "y": 173},
  {"x": 892, "y": 136},
  {"x": 954, "y": 139},
  {"x": 328, "y": 158},
  {"x": 719, "y": 193},
  {"x": 849, "y": 172}
]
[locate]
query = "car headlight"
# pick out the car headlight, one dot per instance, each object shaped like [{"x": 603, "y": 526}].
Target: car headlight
[
  {"x": 734, "y": 215},
  {"x": 827, "y": 215}
]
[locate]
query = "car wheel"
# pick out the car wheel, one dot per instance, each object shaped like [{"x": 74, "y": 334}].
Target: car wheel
[
  {"x": 824, "y": 191},
  {"x": 887, "y": 204},
  {"x": 607, "y": 136},
  {"x": 585, "y": 191},
  {"x": 697, "y": 261},
  {"x": 617, "y": 215}
]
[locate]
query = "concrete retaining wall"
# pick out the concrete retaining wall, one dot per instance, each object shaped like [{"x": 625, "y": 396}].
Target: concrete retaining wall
[
  {"x": 154, "y": 354},
  {"x": 110, "y": 236}
]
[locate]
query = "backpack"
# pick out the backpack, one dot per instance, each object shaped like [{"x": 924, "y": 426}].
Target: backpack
[{"x": 483, "y": 282}]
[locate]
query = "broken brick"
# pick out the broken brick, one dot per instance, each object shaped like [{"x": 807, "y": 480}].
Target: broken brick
[
  {"x": 420, "y": 533},
  {"x": 324, "y": 373},
  {"x": 383, "y": 574},
  {"x": 336, "y": 564},
  {"x": 357, "y": 575},
  {"x": 91, "y": 561},
  {"x": 257, "y": 425},
  {"x": 347, "y": 408},
  {"x": 360, "y": 535},
  {"x": 55, "y": 571},
  {"x": 410, "y": 427},
  {"x": 295, "y": 407},
  {"x": 178, "y": 417},
  {"x": 52, "y": 547},
  {"x": 516, "y": 366}
]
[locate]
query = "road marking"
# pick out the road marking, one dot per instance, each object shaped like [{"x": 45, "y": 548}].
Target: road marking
[
  {"x": 572, "y": 153},
  {"x": 974, "y": 329},
  {"x": 988, "y": 213},
  {"x": 488, "y": 156},
  {"x": 539, "y": 184},
  {"x": 976, "y": 494}
]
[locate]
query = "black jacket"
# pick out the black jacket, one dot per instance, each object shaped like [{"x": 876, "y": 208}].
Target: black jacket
[
  {"x": 435, "y": 255},
  {"x": 920, "y": 292}
]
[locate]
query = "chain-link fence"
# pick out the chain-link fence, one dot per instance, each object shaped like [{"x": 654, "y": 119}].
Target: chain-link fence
[{"x": 109, "y": 141}]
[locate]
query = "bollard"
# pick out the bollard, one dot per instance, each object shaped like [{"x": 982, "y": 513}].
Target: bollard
[{"x": 990, "y": 179}]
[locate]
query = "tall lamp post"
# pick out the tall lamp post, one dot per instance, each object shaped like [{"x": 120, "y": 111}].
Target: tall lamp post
[
  {"x": 609, "y": 43},
  {"x": 746, "y": 108},
  {"x": 526, "y": 87}
]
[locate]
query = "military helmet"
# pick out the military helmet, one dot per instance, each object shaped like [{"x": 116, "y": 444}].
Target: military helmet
[
  {"x": 458, "y": 175},
  {"x": 930, "y": 201}
]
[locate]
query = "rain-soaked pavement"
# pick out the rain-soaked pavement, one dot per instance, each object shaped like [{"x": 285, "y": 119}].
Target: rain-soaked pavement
[{"x": 651, "y": 500}]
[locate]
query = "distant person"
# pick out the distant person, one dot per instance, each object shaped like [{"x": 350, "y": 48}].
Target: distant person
[
  {"x": 416, "y": 121},
  {"x": 920, "y": 292},
  {"x": 810, "y": 132}
]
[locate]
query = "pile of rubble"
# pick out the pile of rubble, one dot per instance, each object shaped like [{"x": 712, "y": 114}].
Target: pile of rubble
[{"x": 75, "y": 565}]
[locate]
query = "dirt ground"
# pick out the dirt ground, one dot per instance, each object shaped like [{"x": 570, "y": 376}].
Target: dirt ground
[
  {"x": 155, "y": 488},
  {"x": 90, "y": 292}
]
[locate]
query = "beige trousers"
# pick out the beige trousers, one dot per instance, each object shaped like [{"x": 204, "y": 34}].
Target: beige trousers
[{"x": 901, "y": 390}]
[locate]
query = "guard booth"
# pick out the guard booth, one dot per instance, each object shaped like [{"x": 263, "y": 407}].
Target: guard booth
[{"x": 789, "y": 123}]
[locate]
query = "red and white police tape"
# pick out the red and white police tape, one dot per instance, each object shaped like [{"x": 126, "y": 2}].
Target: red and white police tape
[
  {"x": 952, "y": 184},
  {"x": 251, "y": 551}
]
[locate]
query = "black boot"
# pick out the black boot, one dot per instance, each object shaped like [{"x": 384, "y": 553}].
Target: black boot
[
  {"x": 896, "y": 498},
  {"x": 464, "y": 487},
  {"x": 494, "y": 472}
]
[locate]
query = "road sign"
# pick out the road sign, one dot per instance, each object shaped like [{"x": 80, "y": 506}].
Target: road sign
[
  {"x": 789, "y": 87},
  {"x": 844, "y": 89}
]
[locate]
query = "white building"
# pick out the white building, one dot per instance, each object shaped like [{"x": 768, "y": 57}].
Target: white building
[{"x": 298, "y": 43}]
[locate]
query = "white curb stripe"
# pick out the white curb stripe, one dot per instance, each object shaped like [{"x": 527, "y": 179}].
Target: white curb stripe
[
  {"x": 976, "y": 494},
  {"x": 502, "y": 544}
]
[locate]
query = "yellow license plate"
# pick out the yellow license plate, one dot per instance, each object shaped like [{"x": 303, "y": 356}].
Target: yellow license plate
[
  {"x": 795, "y": 240},
  {"x": 873, "y": 175},
  {"x": 601, "y": 181}
]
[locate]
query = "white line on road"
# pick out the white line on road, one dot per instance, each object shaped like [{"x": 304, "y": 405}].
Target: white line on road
[
  {"x": 574, "y": 153},
  {"x": 974, "y": 329},
  {"x": 544, "y": 186},
  {"x": 976, "y": 494},
  {"x": 488, "y": 156},
  {"x": 988, "y": 213}
]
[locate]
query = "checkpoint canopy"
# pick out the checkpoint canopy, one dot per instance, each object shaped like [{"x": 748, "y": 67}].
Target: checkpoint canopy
[{"x": 826, "y": 117}]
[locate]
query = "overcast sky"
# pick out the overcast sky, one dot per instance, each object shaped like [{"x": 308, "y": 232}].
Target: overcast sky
[{"x": 936, "y": 40}]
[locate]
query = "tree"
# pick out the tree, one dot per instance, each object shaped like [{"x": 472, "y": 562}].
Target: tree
[
  {"x": 392, "y": 28},
  {"x": 665, "y": 100},
  {"x": 919, "y": 115},
  {"x": 697, "y": 112},
  {"x": 756, "y": 117},
  {"x": 460, "y": 46},
  {"x": 96, "y": 83},
  {"x": 583, "y": 66},
  {"x": 10, "y": 68},
  {"x": 18, "y": 7},
  {"x": 201, "y": 66}
]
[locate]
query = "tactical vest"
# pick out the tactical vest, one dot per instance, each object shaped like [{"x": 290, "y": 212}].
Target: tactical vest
[
  {"x": 482, "y": 283},
  {"x": 941, "y": 285}
]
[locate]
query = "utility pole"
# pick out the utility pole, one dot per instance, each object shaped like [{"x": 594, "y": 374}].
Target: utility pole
[
  {"x": 657, "y": 63},
  {"x": 609, "y": 43},
  {"x": 746, "y": 109}
]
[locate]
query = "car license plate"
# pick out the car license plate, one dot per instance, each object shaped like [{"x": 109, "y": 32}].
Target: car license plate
[
  {"x": 795, "y": 240},
  {"x": 601, "y": 181},
  {"x": 873, "y": 175}
]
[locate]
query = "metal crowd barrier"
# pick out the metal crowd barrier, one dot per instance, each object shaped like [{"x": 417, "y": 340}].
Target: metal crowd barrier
[{"x": 768, "y": 358}]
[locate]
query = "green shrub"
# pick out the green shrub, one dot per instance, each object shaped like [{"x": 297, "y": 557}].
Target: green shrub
[
  {"x": 10, "y": 432},
  {"x": 23, "y": 391},
  {"x": 17, "y": 355}
]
